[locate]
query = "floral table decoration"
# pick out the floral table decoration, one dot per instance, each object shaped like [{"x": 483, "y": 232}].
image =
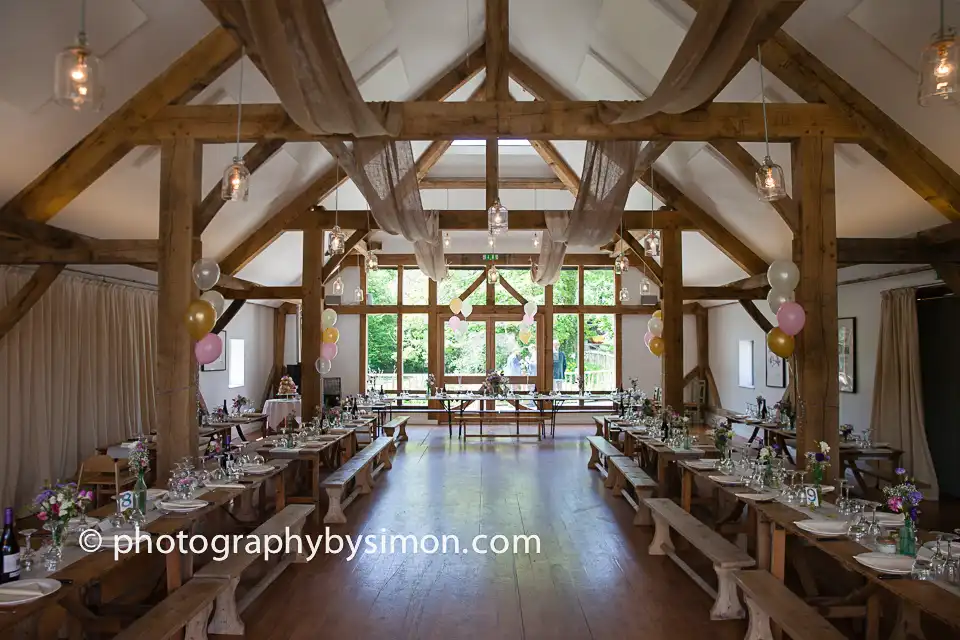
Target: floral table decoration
[
  {"x": 55, "y": 507},
  {"x": 904, "y": 498}
]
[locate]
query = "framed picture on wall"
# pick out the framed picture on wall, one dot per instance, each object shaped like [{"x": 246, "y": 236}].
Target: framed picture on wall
[
  {"x": 220, "y": 364},
  {"x": 847, "y": 349},
  {"x": 746, "y": 364},
  {"x": 776, "y": 368}
]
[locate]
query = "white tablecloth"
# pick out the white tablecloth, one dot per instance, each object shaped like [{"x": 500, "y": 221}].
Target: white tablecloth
[{"x": 279, "y": 409}]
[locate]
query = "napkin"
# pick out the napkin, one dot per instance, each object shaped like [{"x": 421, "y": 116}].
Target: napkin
[
  {"x": 13, "y": 590},
  {"x": 224, "y": 485}
]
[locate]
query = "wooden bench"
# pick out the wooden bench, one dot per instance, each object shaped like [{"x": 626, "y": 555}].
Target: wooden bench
[
  {"x": 769, "y": 599},
  {"x": 600, "y": 451},
  {"x": 188, "y": 608},
  {"x": 398, "y": 424},
  {"x": 226, "y": 614},
  {"x": 726, "y": 556},
  {"x": 364, "y": 467},
  {"x": 625, "y": 471},
  {"x": 599, "y": 422}
]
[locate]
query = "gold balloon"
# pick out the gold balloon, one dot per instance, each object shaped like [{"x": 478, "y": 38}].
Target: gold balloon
[
  {"x": 658, "y": 314},
  {"x": 201, "y": 316},
  {"x": 331, "y": 335},
  {"x": 656, "y": 346},
  {"x": 780, "y": 343}
]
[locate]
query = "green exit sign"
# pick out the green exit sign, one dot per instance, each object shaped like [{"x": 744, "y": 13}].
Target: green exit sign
[{"x": 490, "y": 256}]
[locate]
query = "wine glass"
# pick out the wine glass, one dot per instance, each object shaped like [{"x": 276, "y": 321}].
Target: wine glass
[
  {"x": 117, "y": 520},
  {"x": 26, "y": 555},
  {"x": 857, "y": 528},
  {"x": 951, "y": 568},
  {"x": 874, "y": 530},
  {"x": 938, "y": 560}
]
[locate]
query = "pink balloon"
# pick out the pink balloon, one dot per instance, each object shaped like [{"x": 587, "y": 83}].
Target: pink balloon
[
  {"x": 647, "y": 337},
  {"x": 791, "y": 318},
  {"x": 454, "y": 322},
  {"x": 328, "y": 350},
  {"x": 527, "y": 320},
  {"x": 208, "y": 348}
]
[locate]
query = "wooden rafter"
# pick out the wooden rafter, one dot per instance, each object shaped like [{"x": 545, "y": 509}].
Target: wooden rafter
[
  {"x": 481, "y": 183},
  {"x": 650, "y": 153},
  {"x": 29, "y": 294},
  {"x": 552, "y": 120},
  {"x": 723, "y": 293},
  {"x": 261, "y": 293},
  {"x": 895, "y": 251},
  {"x": 496, "y": 83},
  {"x": 474, "y": 286},
  {"x": 90, "y": 158},
  {"x": 320, "y": 188},
  {"x": 746, "y": 164},
  {"x": 653, "y": 270},
  {"x": 754, "y": 312},
  {"x": 333, "y": 263},
  {"x": 228, "y": 315},
  {"x": 40, "y": 232},
  {"x": 513, "y": 292},
  {"x": 139, "y": 252},
  {"x": 255, "y": 158}
]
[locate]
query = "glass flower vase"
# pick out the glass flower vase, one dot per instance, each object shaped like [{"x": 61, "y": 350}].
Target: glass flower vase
[
  {"x": 58, "y": 533},
  {"x": 907, "y": 538},
  {"x": 140, "y": 494}
]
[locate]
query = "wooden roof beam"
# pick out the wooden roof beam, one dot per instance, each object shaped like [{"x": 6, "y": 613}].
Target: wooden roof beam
[
  {"x": 724, "y": 293},
  {"x": 480, "y": 183},
  {"x": 746, "y": 164},
  {"x": 135, "y": 252},
  {"x": 28, "y": 295},
  {"x": 255, "y": 158}
]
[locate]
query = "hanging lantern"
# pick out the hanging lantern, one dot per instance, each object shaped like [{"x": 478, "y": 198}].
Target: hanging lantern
[
  {"x": 338, "y": 240},
  {"x": 645, "y": 288},
  {"x": 493, "y": 276},
  {"x": 491, "y": 241},
  {"x": 621, "y": 264},
  {"x": 446, "y": 240},
  {"x": 373, "y": 263},
  {"x": 651, "y": 244},
  {"x": 78, "y": 82},
  {"x": 536, "y": 240},
  {"x": 624, "y": 294},
  {"x": 938, "y": 68},
  {"x": 338, "y": 286},
  {"x": 235, "y": 185},
  {"x": 770, "y": 183},
  {"x": 497, "y": 218},
  {"x": 358, "y": 295}
]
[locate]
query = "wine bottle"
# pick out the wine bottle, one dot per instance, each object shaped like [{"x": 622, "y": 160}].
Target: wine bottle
[{"x": 9, "y": 549}]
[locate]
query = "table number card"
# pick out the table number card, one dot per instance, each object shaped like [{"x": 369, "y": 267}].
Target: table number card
[
  {"x": 813, "y": 498},
  {"x": 126, "y": 500}
]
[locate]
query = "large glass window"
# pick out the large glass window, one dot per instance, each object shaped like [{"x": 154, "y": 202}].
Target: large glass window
[
  {"x": 598, "y": 286},
  {"x": 415, "y": 345},
  {"x": 465, "y": 354},
  {"x": 518, "y": 361},
  {"x": 566, "y": 351},
  {"x": 520, "y": 280},
  {"x": 414, "y": 287},
  {"x": 567, "y": 290},
  {"x": 599, "y": 352},
  {"x": 382, "y": 287},
  {"x": 456, "y": 282},
  {"x": 382, "y": 350}
]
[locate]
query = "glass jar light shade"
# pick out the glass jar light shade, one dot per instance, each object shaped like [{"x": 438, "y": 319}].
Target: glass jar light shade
[
  {"x": 338, "y": 286},
  {"x": 770, "y": 184},
  {"x": 645, "y": 287},
  {"x": 621, "y": 264},
  {"x": 651, "y": 244},
  {"x": 938, "y": 71},
  {"x": 78, "y": 82},
  {"x": 497, "y": 218},
  {"x": 373, "y": 263},
  {"x": 624, "y": 294},
  {"x": 358, "y": 294},
  {"x": 235, "y": 185},
  {"x": 338, "y": 240},
  {"x": 493, "y": 276},
  {"x": 446, "y": 240}
]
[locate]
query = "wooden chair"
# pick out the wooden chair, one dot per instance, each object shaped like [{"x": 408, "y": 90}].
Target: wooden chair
[{"x": 107, "y": 475}]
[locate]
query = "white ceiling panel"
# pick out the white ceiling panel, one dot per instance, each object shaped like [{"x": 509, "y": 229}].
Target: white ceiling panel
[
  {"x": 387, "y": 82},
  {"x": 359, "y": 24}
]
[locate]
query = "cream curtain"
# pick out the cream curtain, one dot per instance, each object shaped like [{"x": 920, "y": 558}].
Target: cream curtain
[
  {"x": 78, "y": 372},
  {"x": 897, "y": 415}
]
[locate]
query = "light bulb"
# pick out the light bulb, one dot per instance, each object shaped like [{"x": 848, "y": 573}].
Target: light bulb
[
  {"x": 490, "y": 241},
  {"x": 536, "y": 240},
  {"x": 651, "y": 244},
  {"x": 79, "y": 72},
  {"x": 621, "y": 264},
  {"x": 373, "y": 263},
  {"x": 78, "y": 79},
  {"x": 497, "y": 218},
  {"x": 938, "y": 70},
  {"x": 338, "y": 286},
  {"x": 645, "y": 287},
  {"x": 446, "y": 240},
  {"x": 770, "y": 182},
  {"x": 624, "y": 294},
  {"x": 358, "y": 294},
  {"x": 338, "y": 240},
  {"x": 236, "y": 182}
]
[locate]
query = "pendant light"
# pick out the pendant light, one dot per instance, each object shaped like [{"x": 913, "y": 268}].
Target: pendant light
[
  {"x": 651, "y": 243},
  {"x": 78, "y": 74},
  {"x": 497, "y": 218},
  {"x": 446, "y": 240},
  {"x": 536, "y": 240},
  {"x": 371, "y": 263},
  {"x": 338, "y": 284},
  {"x": 235, "y": 185},
  {"x": 493, "y": 276},
  {"x": 338, "y": 239},
  {"x": 938, "y": 68},
  {"x": 490, "y": 242},
  {"x": 769, "y": 178},
  {"x": 621, "y": 263},
  {"x": 624, "y": 294},
  {"x": 358, "y": 295},
  {"x": 645, "y": 287}
]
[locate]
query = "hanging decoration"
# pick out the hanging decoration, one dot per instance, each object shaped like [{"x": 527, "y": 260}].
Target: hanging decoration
[
  {"x": 653, "y": 337},
  {"x": 208, "y": 348},
  {"x": 372, "y": 262},
  {"x": 621, "y": 264},
  {"x": 324, "y": 366},
  {"x": 536, "y": 240},
  {"x": 328, "y": 318},
  {"x": 938, "y": 67},
  {"x": 337, "y": 287},
  {"x": 328, "y": 342},
  {"x": 769, "y": 178},
  {"x": 358, "y": 294},
  {"x": 446, "y": 240},
  {"x": 338, "y": 239},
  {"x": 216, "y": 301},
  {"x": 624, "y": 294},
  {"x": 329, "y": 350},
  {"x": 783, "y": 277},
  {"x": 656, "y": 346},
  {"x": 454, "y": 323},
  {"x": 235, "y": 185},
  {"x": 530, "y": 308},
  {"x": 466, "y": 308},
  {"x": 497, "y": 218},
  {"x": 527, "y": 321},
  {"x": 206, "y": 274},
  {"x": 200, "y": 318},
  {"x": 651, "y": 243},
  {"x": 331, "y": 334},
  {"x": 78, "y": 80},
  {"x": 493, "y": 275}
]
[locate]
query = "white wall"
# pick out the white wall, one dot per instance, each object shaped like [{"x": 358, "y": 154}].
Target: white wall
[
  {"x": 730, "y": 323},
  {"x": 254, "y": 325}
]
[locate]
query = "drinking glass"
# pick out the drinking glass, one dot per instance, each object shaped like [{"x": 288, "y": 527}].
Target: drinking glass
[
  {"x": 117, "y": 520},
  {"x": 874, "y": 530},
  {"x": 26, "y": 554},
  {"x": 790, "y": 493},
  {"x": 951, "y": 568},
  {"x": 801, "y": 493},
  {"x": 857, "y": 529},
  {"x": 938, "y": 560}
]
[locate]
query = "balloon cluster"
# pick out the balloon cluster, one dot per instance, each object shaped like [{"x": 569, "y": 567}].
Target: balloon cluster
[
  {"x": 203, "y": 312},
  {"x": 525, "y": 335},
  {"x": 653, "y": 338},
  {"x": 329, "y": 339},
  {"x": 462, "y": 307},
  {"x": 784, "y": 276}
]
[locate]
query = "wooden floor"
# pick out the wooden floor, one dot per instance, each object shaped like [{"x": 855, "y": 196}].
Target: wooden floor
[{"x": 592, "y": 579}]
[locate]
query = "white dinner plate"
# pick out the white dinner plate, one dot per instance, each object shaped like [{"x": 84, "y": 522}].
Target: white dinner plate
[
  {"x": 73, "y": 524},
  {"x": 726, "y": 480},
  {"x": 109, "y": 540},
  {"x": 888, "y": 519},
  {"x": 823, "y": 528},
  {"x": 758, "y": 497},
  {"x": 703, "y": 464},
  {"x": 886, "y": 563},
  {"x": 182, "y": 505},
  {"x": 28, "y": 590},
  {"x": 257, "y": 469}
]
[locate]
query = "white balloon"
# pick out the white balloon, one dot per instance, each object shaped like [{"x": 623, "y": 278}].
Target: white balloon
[
  {"x": 783, "y": 275},
  {"x": 466, "y": 309},
  {"x": 328, "y": 318},
  {"x": 214, "y": 298},
  {"x": 462, "y": 327},
  {"x": 777, "y": 297},
  {"x": 206, "y": 273},
  {"x": 655, "y": 326},
  {"x": 324, "y": 366},
  {"x": 530, "y": 308}
]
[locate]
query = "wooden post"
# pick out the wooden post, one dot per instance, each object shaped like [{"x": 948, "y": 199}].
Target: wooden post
[
  {"x": 181, "y": 163},
  {"x": 815, "y": 252},
  {"x": 433, "y": 344},
  {"x": 546, "y": 378},
  {"x": 672, "y": 261},
  {"x": 311, "y": 382}
]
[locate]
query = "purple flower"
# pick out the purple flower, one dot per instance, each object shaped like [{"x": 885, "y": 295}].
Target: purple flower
[
  {"x": 913, "y": 513},
  {"x": 820, "y": 457},
  {"x": 900, "y": 471},
  {"x": 915, "y": 497}
]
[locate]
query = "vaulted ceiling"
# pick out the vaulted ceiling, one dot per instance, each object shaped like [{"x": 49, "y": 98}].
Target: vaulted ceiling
[{"x": 591, "y": 49}]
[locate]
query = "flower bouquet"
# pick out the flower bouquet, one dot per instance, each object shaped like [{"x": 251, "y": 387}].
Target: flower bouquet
[
  {"x": 786, "y": 413},
  {"x": 139, "y": 463},
  {"x": 495, "y": 384},
  {"x": 55, "y": 506},
  {"x": 904, "y": 498},
  {"x": 239, "y": 403},
  {"x": 431, "y": 384},
  {"x": 817, "y": 463}
]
